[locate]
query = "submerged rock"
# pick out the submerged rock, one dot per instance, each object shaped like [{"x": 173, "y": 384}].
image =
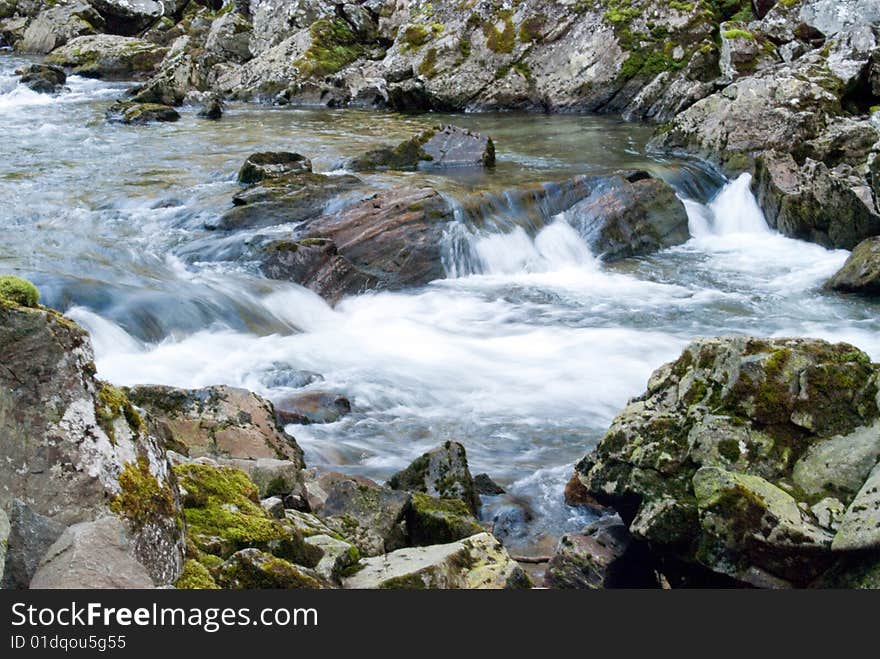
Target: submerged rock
[
  {"x": 312, "y": 407},
  {"x": 442, "y": 472},
  {"x": 710, "y": 465},
  {"x": 476, "y": 562},
  {"x": 130, "y": 112},
  {"x": 441, "y": 147},
  {"x": 212, "y": 108},
  {"x": 43, "y": 78},
  {"x": 108, "y": 56},
  {"x": 221, "y": 422},
  {"x": 861, "y": 272}
]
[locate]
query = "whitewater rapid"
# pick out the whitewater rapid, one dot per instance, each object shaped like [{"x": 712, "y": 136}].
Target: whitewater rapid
[{"x": 524, "y": 352}]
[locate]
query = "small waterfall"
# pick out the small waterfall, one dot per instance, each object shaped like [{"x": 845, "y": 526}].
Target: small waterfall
[{"x": 734, "y": 210}]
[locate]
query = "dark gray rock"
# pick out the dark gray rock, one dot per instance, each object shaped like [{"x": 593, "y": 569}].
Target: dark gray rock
[
  {"x": 444, "y": 146},
  {"x": 130, "y": 112},
  {"x": 30, "y": 536},
  {"x": 861, "y": 272},
  {"x": 486, "y": 486},
  {"x": 43, "y": 78},
  {"x": 442, "y": 472},
  {"x": 272, "y": 165}
]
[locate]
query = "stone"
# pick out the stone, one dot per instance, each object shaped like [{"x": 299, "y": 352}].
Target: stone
[
  {"x": 43, "y": 78},
  {"x": 743, "y": 52},
  {"x": 312, "y": 407},
  {"x": 57, "y": 24},
  {"x": 252, "y": 569},
  {"x": 339, "y": 557},
  {"x": 272, "y": 165},
  {"x": 434, "y": 521},
  {"x": 443, "y": 473},
  {"x": 485, "y": 486},
  {"x": 861, "y": 272},
  {"x": 229, "y": 38},
  {"x": 130, "y": 112},
  {"x": 859, "y": 529},
  {"x": 29, "y": 537},
  {"x": 390, "y": 241},
  {"x": 274, "y": 507},
  {"x": 212, "y": 108},
  {"x": 476, "y": 562},
  {"x": 97, "y": 554},
  {"x": 273, "y": 477},
  {"x": 108, "y": 56},
  {"x": 602, "y": 556},
  {"x": 128, "y": 17},
  {"x": 444, "y": 146},
  {"x": 838, "y": 466},
  {"x": 217, "y": 421}
]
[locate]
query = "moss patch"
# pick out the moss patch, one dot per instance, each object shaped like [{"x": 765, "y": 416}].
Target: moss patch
[
  {"x": 334, "y": 45},
  {"x": 18, "y": 291},
  {"x": 195, "y": 576},
  {"x": 142, "y": 498},
  {"x": 110, "y": 404}
]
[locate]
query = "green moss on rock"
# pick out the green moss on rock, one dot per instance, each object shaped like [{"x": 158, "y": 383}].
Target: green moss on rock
[
  {"x": 195, "y": 576},
  {"x": 142, "y": 498},
  {"x": 334, "y": 45},
  {"x": 18, "y": 291}
]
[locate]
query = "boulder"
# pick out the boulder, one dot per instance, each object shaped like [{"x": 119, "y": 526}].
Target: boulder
[
  {"x": 221, "y": 421},
  {"x": 743, "y": 52},
  {"x": 434, "y": 521},
  {"x": 97, "y": 554},
  {"x": 861, "y": 272},
  {"x": 75, "y": 448},
  {"x": 444, "y": 146},
  {"x": 831, "y": 207},
  {"x": 476, "y": 562},
  {"x": 42, "y": 78},
  {"x": 630, "y": 214},
  {"x": 29, "y": 537},
  {"x": 131, "y": 112},
  {"x": 252, "y": 569},
  {"x": 712, "y": 465},
  {"x": 212, "y": 108},
  {"x": 390, "y": 241},
  {"x": 108, "y": 56},
  {"x": 603, "y": 556},
  {"x": 274, "y": 507},
  {"x": 833, "y": 16},
  {"x": 272, "y": 165},
  {"x": 272, "y": 477},
  {"x": 58, "y": 24},
  {"x": 859, "y": 528},
  {"x": 128, "y": 17},
  {"x": 229, "y": 38},
  {"x": 484, "y": 485},
  {"x": 442, "y": 472},
  {"x": 339, "y": 558},
  {"x": 312, "y": 407}
]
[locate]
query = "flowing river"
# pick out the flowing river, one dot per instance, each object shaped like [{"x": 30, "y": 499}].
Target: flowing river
[{"x": 524, "y": 353}]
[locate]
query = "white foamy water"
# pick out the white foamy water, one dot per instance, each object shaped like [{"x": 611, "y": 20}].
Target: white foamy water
[{"x": 524, "y": 353}]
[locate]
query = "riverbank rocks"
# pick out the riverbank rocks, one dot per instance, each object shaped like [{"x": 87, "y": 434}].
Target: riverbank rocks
[
  {"x": 108, "y": 56},
  {"x": 742, "y": 456},
  {"x": 28, "y": 536},
  {"x": 283, "y": 189},
  {"x": 630, "y": 214},
  {"x": 833, "y": 207},
  {"x": 252, "y": 569},
  {"x": 128, "y": 17},
  {"x": 103, "y": 460},
  {"x": 42, "y": 78},
  {"x": 217, "y": 422},
  {"x": 390, "y": 241},
  {"x": 442, "y": 472},
  {"x": 312, "y": 407},
  {"x": 861, "y": 272},
  {"x": 476, "y": 562},
  {"x": 444, "y": 146},
  {"x": 130, "y": 112},
  {"x": 57, "y": 24}
]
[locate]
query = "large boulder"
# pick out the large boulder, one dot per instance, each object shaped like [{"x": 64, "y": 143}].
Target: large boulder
[
  {"x": 108, "y": 56},
  {"x": 743, "y": 455},
  {"x": 29, "y": 537},
  {"x": 442, "y": 472},
  {"x": 74, "y": 448},
  {"x": 229, "y": 38},
  {"x": 58, "y": 24},
  {"x": 252, "y": 569},
  {"x": 218, "y": 422},
  {"x": 128, "y": 17},
  {"x": 442, "y": 147},
  {"x": 387, "y": 242},
  {"x": 42, "y": 78},
  {"x": 476, "y": 562},
  {"x": 140, "y": 114},
  {"x": 861, "y": 272},
  {"x": 831, "y": 207}
]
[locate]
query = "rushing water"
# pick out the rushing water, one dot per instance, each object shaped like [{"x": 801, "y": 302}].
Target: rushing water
[{"x": 524, "y": 353}]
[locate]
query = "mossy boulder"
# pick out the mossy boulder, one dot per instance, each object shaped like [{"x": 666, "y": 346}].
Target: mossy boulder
[
  {"x": 272, "y": 164},
  {"x": 42, "y": 78},
  {"x": 441, "y": 473},
  {"x": 738, "y": 421},
  {"x": 195, "y": 576},
  {"x": 443, "y": 146},
  {"x": 108, "y": 56},
  {"x": 252, "y": 569},
  {"x": 434, "y": 521},
  {"x": 18, "y": 291},
  {"x": 131, "y": 112},
  {"x": 861, "y": 272}
]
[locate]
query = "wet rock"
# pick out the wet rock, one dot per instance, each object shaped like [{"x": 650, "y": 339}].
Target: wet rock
[
  {"x": 57, "y": 24},
  {"x": 845, "y": 141},
  {"x": 476, "y": 562},
  {"x": 108, "y": 56},
  {"x": 370, "y": 516},
  {"x": 603, "y": 556},
  {"x": 223, "y": 516},
  {"x": 75, "y": 448},
  {"x": 861, "y": 272},
  {"x": 97, "y": 554},
  {"x": 217, "y": 421},
  {"x": 576, "y": 494},
  {"x": 484, "y": 485},
  {"x": 701, "y": 465},
  {"x": 442, "y": 472},
  {"x": 29, "y": 537},
  {"x": 312, "y": 407},
  {"x": 512, "y": 521},
  {"x": 432, "y": 521},
  {"x": 272, "y": 165},
  {"x": 390, "y": 241},
  {"x": 252, "y": 569},
  {"x": 444, "y": 146},
  {"x": 43, "y": 78},
  {"x": 281, "y": 375},
  {"x": 831, "y": 207},
  {"x": 212, "y": 108},
  {"x": 130, "y": 112},
  {"x": 128, "y": 17},
  {"x": 630, "y": 214}
]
